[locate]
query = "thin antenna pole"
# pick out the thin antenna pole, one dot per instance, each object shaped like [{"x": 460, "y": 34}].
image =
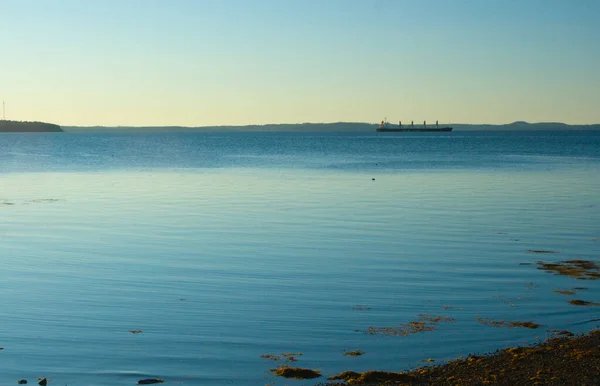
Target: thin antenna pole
[{"x": 3, "y": 111}]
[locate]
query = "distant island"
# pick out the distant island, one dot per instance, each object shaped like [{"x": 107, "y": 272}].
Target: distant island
[
  {"x": 27, "y": 127},
  {"x": 522, "y": 126},
  {"x": 333, "y": 127}
]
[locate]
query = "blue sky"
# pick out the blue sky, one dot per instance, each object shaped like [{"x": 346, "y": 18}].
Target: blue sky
[{"x": 196, "y": 62}]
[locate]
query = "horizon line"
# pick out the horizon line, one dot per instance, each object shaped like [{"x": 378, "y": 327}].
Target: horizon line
[{"x": 339, "y": 122}]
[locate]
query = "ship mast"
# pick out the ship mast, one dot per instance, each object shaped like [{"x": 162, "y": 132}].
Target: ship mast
[{"x": 3, "y": 111}]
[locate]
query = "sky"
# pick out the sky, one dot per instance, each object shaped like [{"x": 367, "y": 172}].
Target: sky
[{"x": 242, "y": 62}]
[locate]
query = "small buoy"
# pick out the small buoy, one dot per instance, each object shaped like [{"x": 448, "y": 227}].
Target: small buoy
[{"x": 373, "y": 179}]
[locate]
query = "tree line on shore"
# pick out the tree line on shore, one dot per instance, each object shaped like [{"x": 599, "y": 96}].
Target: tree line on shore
[{"x": 25, "y": 126}]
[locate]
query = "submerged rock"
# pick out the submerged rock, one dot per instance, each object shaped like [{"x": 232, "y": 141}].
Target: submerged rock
[{"x": 150, "y": 381}]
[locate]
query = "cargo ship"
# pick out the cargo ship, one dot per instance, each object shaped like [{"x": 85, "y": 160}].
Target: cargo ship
[{"x": 383, "y": 126}]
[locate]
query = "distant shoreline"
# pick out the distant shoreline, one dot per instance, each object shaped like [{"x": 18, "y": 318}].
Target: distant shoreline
[
  {"x": 335, "y": 127},
  {"x": 28, "y": 127},
  {"x": 332, "y": 127}
]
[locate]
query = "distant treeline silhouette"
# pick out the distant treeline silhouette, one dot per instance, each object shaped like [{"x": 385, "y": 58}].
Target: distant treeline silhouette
[
  {"x": 331, "y": 127},
  {"x": 28, "y": 127}
]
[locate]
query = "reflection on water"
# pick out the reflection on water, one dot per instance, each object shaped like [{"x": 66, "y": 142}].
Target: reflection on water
[{"x": 218, "y": 266}]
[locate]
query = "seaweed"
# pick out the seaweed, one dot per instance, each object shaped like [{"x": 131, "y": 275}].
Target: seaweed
[
  {"x": 562, "y": 333},
  {"x": 564, "y": 292},
  {"x": 578, "y": 269},
  {"x": 372, "y": 377},
  {"x": 296, "y": 372},
  {"x": 577, "y": 302},
  {"x": 354, "y": 353},
  {"x": 291, "y": 356},
  {"x": 425, "y": 323},
  {"x": 272, "y": 357},
  {"x": 504, "y": 323}
]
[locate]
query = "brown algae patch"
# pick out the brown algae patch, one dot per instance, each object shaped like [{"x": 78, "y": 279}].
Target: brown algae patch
[
  {"x": 372, "y": 377},
  {"x": 291, "y": 356},
  {"x": 564, "y": 292},
  {"x": 272, "y": 357},
  {"x": 425, "y": 323},
  {"x": 570, "y": 291},
  {"x": 504, "y": 323},
  {"x": 355, "y": 353},
  {"x": 296, "y": 372},
  {"x": 577, "y": 302},
  {"x": 285, "y": 356},
  {"x": 578, "y": 269},
  {"x": 562, "y": 333}
]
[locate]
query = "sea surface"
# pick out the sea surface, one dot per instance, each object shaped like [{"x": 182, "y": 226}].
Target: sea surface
[{"x": 216, "y": 249}]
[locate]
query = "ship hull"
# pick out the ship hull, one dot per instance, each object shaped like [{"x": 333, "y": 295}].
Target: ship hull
[{"x": 415, "y": 129}]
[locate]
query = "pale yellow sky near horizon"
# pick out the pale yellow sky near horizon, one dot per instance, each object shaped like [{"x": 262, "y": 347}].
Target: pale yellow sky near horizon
[{"x": 233, "y": 62}]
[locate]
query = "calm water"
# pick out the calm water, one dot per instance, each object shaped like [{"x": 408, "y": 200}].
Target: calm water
[{"x": 225, "y": 247}]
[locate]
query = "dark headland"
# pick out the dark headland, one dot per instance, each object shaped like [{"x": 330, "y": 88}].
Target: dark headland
[
  {"x": 27, "y": 127},
  {"x": 332, "y": 127}
]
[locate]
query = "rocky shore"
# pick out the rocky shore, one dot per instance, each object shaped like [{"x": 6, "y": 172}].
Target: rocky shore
[{"x": 562, "y": 360}]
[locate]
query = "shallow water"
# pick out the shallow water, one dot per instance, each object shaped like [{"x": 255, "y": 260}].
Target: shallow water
[{"x": 224, "y": 247}]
